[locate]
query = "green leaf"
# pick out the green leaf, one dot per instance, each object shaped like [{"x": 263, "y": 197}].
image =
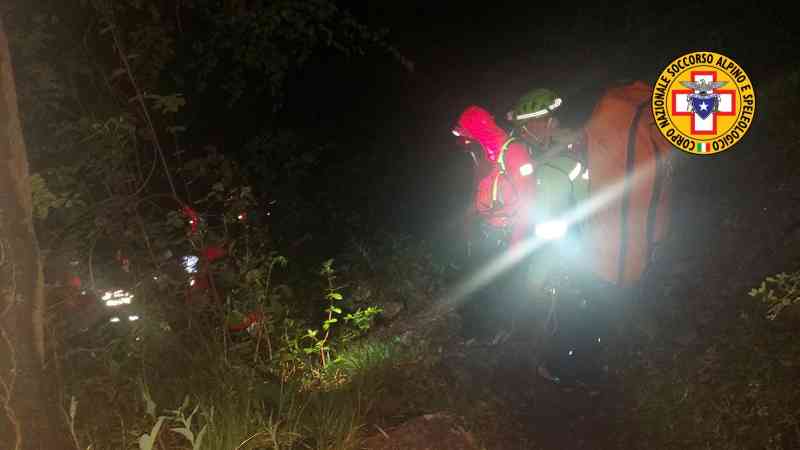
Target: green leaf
[
  {"x": 150, "y": 405},
  {"x": 198, "y": 444},
  {"x": 334, "y": 296},
  {"x": 147, "y": 440}
]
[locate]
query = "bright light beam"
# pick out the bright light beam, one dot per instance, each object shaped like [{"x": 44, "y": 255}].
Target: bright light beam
[{"x": 500, "y": 264}]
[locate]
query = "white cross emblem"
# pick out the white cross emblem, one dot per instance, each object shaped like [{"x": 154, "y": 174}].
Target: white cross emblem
[{"x": 727, "y": 104}]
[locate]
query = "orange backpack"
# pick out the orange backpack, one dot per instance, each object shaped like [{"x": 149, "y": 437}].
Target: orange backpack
[{"x": 628, "y": 160}]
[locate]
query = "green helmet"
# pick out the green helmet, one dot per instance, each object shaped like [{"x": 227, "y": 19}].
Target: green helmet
[{"x": 534, "y": 104}]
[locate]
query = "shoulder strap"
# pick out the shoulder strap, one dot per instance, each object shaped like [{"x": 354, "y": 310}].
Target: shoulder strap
[
  {"x": 501, "y": 165},
  {"x": 629, "y": 166},
  {"x": 501, "y": 161}
]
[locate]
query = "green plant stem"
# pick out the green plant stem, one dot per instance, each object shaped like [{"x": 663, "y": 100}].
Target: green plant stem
[
  {"x": 262, "y": 323},
  {"x": 330, "y": 316}
]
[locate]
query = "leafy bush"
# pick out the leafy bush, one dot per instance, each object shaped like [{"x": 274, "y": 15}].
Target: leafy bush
[{"x": 778, "y": 292}]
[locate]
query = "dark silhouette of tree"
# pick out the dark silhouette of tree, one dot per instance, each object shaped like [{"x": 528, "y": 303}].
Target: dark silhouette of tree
[{"x": 29, "y": 418}]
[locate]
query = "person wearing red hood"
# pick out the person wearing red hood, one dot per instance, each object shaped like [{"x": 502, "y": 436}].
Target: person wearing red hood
[{"x": 504, "y": 197}]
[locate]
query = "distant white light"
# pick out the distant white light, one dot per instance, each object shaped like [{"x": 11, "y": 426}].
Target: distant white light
[
  {"x": 118, "y": 297},
  {"x": 240, "y": 217},
  {"x": 570, "y": 353},
  {"x": 191, "y": 282},
  {"x": 133, "y": 318},
  {"x": 114, "y": 319},
  {"x": 526, "y": 169},
  {"x": 190, "y": 263},
  {"x": 123, "y": 301},
  {"x": 585, "y": 175}
]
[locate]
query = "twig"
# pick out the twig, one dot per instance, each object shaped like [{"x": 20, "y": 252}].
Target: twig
[
  {"x": 149, "y": 175},
  {"x": 241, "y": 446},
  {"x": 91, "y": 266},
  {"x": 146, "y": 238},
  {"x": 180, "y": 164},
  {"x": 71, "y": 422},
  {"x": 262, "y": 320},
  {"x": 140, "y": 98},
  {"x": 381, "y": 431}
]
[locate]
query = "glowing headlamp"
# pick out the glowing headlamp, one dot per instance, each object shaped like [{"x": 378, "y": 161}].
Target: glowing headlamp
[{"x": 551, "y": 230}]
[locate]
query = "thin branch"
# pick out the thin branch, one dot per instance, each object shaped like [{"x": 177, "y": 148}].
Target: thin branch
[
  {"x": 145, "y": 110},
  {"x": 146, "y": 238},
  {"x": 149, "y": 175},
  {"x": 92, "y": 284}
]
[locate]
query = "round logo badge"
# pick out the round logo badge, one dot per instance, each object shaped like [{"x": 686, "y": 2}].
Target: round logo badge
[{"x": 703, "y": 103}]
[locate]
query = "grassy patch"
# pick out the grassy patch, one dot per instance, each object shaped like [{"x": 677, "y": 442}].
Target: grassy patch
[
  {"x": 234, "y": 405},
  {"x": 736, "y": 389}
]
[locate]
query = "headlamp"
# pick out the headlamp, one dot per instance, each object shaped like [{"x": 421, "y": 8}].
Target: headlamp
[{"x": 551, "y": 230}]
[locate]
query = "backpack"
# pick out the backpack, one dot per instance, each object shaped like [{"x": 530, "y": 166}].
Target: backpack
[{"x": 622, "y": 140}]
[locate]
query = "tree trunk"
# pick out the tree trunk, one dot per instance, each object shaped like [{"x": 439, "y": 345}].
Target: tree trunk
[{"x": 26, "y": 418}]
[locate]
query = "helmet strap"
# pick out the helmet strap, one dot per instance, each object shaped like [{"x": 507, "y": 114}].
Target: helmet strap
[
  {"x": 474, "y": 159},
  {"x": 539, "y": 139}
]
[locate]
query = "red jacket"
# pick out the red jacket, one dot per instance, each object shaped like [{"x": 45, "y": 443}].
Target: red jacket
[{"x": 502, "y": 198}]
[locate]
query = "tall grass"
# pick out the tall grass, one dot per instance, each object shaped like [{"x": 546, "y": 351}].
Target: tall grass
[{"x": 239, "y": 405}]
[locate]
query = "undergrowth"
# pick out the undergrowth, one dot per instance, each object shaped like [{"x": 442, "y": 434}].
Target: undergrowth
[
  {"x": 289, "y": 382},
  {"x": 736, "y": 390},
  {"x": 198, "y": 400}
]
